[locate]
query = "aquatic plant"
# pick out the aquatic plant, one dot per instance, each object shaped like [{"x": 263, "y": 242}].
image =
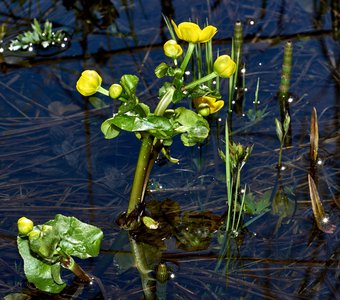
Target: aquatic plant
[
  {"x": 43, "y": 37},
  {"x": 281, "y": 132},
  {"x": 157, "y": 129},
  {"x": 48, "y": 247}
]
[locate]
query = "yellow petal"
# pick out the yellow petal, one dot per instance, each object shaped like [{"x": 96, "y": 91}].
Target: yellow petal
[
  {"x": 178, "y": 33},
  {"x": 217, "y": 106},
  {"x": 207, "y": 34},
  {"x": 190, "y": 32},
  {"x": 224, "y": 66}
]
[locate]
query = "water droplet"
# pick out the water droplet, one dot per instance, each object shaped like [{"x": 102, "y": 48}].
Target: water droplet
[
  {"x": 187, "y": 73},
  {"x": 260, "y": 64},
  {"x": 63, "y": 45},
  {"x": 283, "y": 168},
  {"x": 243, "y": 115},
  {"x": 242, "y": 191},
  {"x": 219, "y": 119},
  {"x": 1, "y": 50},
  {"x": 245, "y": 89},
  {"x": 214, "y": 82},
  {"x": 172, "y": 276},
  {"x": 325, "y": 220},
  {"x": 319, "y": 162},
  {"x": 233, "y": 102},
  {"x": 290, "y": 99},
  {"x": 251, "y": 22},
  {"x": 30, "y": 49},
  {"x": 243, "y": 70},
  {"x": 65, "y": 39}
]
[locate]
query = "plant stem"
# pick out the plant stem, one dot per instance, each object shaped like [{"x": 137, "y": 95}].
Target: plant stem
[
  {"x": 186, "y": 59},
  {"x": 69, "y": 263},
  {"x": 103, "y": 91},
  {"x": 147, "y": 154},
  {"x": 140, "y": 172},
  {"x": 200, "y": 81}
]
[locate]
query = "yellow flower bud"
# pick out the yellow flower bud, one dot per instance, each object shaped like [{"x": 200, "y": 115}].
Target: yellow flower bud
[
  {"x": 224, "y": 66},
  {"x": 204, "y": 102},
  {"x": 34, "y": 234},
  {"x": 172, "y": 49},
  {"x": 192, "y": 33},
  {"x": 203, "y": 109},
  {"x": 115, "y": 90},
  {"x": 25, "y": 225},
  {"x": 88, "y": 83}
]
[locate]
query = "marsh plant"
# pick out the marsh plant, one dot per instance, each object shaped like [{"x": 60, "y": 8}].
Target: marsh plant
[
  {"x": 42, "y": 36},
  {"x": 49, "y": 247},
  {"x": 156, "y": 128}
]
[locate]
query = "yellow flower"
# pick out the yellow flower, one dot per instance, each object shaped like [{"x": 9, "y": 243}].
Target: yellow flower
[
  {"x": 115, "y": 90},
  {"x": 172, "y": 49},
  {"x": 224, "y": 66},
  {"x": 25, "y": 225},
  {"x": 89, "y": 83},
  {"x": 206, "y": 105},
  {"x": 192, "y": 33}
]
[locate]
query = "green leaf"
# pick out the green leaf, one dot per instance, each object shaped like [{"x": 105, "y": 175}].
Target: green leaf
[
  {"x": 162, "y": 70},
  {"x": 109, "y": 130},
  {"x": 37, "y": 271},
  {"x": 55, "y": 271},
  {"x": 194, "y": 128},
  {"x": 257, "y": 206},
  {"x": 77, "y": 238},
  {"x": 136, "y": 123},
  {"x": 279, "y": 131},
  {"x": 129, "y": 83},
  {"x": 286, "y": 123}
]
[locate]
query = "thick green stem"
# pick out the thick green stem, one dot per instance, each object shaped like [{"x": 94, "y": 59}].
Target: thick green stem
[
  {"x": 164, "y": 102},
  {"x": 140, "y": 173},
  {"x": 146, "y": 157},
  {"x": 68, "y": 263},
  {"x": 186, "y": 59},
  {"x": 200, "y": 81}
]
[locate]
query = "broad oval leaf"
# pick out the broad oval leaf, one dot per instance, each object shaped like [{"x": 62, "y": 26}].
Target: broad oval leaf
[
  {"x": 129, "y": 83},
  {"x": 37, "y": 271},
  {"x": 109, "y": 130},
  {"x": 77, "y": 238}
]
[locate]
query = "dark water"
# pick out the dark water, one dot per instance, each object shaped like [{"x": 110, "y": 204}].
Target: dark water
[{"x": 54, "y": 158}]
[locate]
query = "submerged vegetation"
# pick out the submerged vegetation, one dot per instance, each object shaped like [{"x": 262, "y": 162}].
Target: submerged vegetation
[{"x": 215, "y": 205}]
